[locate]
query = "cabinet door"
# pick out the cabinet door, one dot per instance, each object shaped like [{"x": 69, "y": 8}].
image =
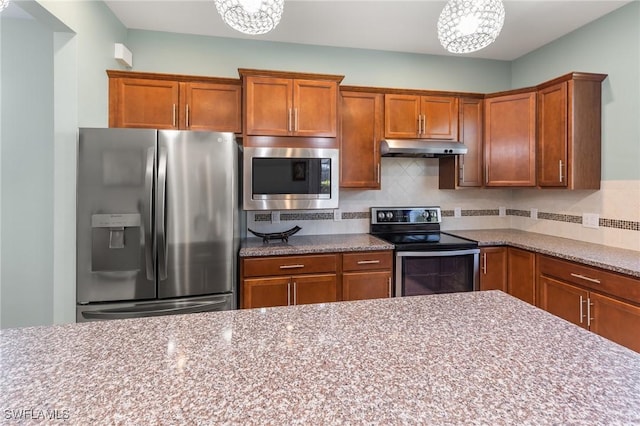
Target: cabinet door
[
  {"x": 366, "y": 285},
  {"x": 268, "y": 106},
  {"x": 401, "y": 114},
  {"x": 552, "y": 136},
  {"x": 563, "y": 300},
  {"x": 315, "y": 105},
  {"x": 208, "y": 106},
  {"x": 493, "y": 268},
  {"x": 521, "y": 282},
  {"x": 615, "y": 320},
  {"x": 465, "y": 170},
  {"x": 143, "y": 103},
  {"x": 510, "y": 140},
  {"x": 266, "y": 292},
  {"x": 314, "y": 289},
  {"x": 360, "y": 134},
  {"x": 439, "y": 117}
]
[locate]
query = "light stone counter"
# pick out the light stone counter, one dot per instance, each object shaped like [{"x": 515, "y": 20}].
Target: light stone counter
[
  {"x": 465, "y": 358},
  {"x": 610, "y": 258},
  {"x": 306, "y": 244}
]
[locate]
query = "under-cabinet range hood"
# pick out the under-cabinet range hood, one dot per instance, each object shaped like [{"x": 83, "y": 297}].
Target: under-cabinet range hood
[{"x": 420, "y": 148}]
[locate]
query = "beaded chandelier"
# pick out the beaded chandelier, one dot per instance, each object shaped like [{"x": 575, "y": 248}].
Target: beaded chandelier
[
  {"x": 3, "y": 4},
  {"x": 468, "y": 25},
  {"x": 250, "y": 16}
]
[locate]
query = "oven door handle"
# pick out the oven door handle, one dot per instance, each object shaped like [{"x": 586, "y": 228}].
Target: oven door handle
[{"x": 437, "y": 253}]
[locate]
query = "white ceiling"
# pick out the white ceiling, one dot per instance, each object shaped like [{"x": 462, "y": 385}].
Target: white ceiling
[{"x": 392, "y": 25}]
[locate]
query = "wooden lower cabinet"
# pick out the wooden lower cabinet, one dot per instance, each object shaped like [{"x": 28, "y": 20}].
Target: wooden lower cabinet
[
  {"x": 575, "y": 292},
  {"x": 615, "y": 320},
  {"x": 493, "y": 268},
  {"x": 366, "y": 285},
  {"x": 265, "y": 292},
  {"x": 289, "y": 280},
  {"x": 521, "y": 281},
  {"x": 285, "y": 291},
  {"x": 367, "y": 275},
  {"x": 319, "y": 278},
  {"x": 563, "y": 300}
]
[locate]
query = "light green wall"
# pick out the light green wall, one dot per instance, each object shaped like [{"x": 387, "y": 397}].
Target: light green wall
[
  {"x": 59, "y": 91},
  {"x": 200, "y": 55},
  {"x": 97, "y": 30},
  {"x": 26, "y": 262},
  {"x": 610, "y": 45}
]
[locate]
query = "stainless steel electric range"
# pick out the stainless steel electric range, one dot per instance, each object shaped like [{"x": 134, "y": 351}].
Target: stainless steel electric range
[{"x": 427, "y": 260}]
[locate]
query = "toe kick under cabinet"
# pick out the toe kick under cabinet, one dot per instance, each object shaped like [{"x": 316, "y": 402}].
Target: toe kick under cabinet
[{"x": 315, "y": 278}]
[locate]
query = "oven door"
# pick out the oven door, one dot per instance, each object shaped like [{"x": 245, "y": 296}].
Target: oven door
[{"x": 434, "y": 272}]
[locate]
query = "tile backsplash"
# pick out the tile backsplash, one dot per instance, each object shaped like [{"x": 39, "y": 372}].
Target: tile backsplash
[{"x": 413, "y": 182}]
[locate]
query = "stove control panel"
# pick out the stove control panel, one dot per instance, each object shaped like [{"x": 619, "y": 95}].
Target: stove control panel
[{"x": 408, "y": 215}]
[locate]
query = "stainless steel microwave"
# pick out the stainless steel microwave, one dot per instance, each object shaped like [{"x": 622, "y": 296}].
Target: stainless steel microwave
[{"x": 290, "y": 178}]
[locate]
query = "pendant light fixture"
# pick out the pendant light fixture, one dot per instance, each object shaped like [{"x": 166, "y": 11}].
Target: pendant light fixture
[
  {"x": 465, "y": 26},
  {"x": 250, "y": 16},
  {"x": 3, "y": 4}
]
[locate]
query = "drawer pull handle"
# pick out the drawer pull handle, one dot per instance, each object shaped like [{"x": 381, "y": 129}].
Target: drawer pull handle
[
  {"x": 296, "y": 266},
  {"x": 367, "y": 262},
  {"x": 582, "y": 277}
]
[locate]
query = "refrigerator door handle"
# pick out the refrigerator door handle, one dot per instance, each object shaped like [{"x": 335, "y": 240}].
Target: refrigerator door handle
[
  {"x": 124, "y": 313},
  {"x": 161, "y": 205},
  {"x": 148, "y": 214}
]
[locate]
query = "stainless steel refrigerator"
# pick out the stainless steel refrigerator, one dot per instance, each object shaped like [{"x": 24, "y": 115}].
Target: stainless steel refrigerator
[{"x": 158, "y": 222}]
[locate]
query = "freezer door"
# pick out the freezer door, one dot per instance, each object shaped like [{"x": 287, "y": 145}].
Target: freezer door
[
  {"x": 196, "y": 213},
  {"x": 114, "y": 215}
]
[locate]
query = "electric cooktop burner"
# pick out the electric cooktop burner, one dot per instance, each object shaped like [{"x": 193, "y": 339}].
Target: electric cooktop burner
[{"x": 414, "y": 228}]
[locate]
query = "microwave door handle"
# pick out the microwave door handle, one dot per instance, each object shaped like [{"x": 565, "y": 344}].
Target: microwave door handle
[
  {"x": 148, "y": 214},
  {"x": 161, "y": 207}
]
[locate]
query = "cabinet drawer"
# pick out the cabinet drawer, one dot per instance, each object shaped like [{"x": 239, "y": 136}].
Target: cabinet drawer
[
  {"x": 289, "y": 265},
  {"x": 367, "y": 260},
  {"x": 606, "y": 282}
]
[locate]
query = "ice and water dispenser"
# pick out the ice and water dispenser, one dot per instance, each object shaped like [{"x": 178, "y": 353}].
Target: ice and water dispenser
[{"x": 115, "y": 242}]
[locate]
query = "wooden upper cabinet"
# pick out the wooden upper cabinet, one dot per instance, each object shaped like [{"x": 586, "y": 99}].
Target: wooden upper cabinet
[
  {"x": 210, "y": 106},
  {"x": 466, "y": 170},
  {"x": 510, "y": 140},
  {"x": 315, "y": 108},
  {"x": 164, "y": 101},
  {"x": 361, "y": 129},
  {"x": 143, "y": 103},
  {"x": 268, "y": 106},
  {"x": 290, "y": 104},
  {"x": 552, "y": 133},
  {"x": 569, "y": 131},
  {"x": 427, "y": 117}
]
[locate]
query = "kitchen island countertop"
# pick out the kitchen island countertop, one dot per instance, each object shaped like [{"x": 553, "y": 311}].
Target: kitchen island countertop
[
  {"x": 307, "y": 244},
  {"x": 464, "y": 358},
  {"x": 606, "y": 257}
]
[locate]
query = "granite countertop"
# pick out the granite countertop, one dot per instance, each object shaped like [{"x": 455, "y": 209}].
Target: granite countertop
[
  {"x": 605, "y": 257},
  {"x": 305, "y": 244},
  {"x": 463, "y": 358}
]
